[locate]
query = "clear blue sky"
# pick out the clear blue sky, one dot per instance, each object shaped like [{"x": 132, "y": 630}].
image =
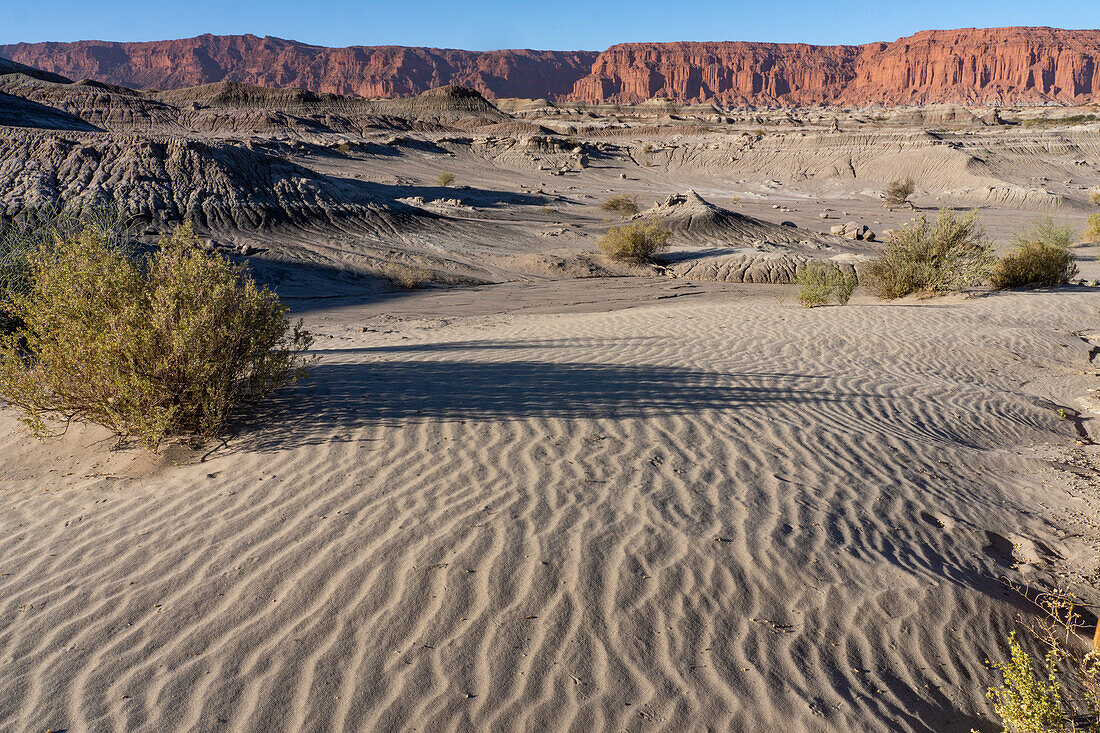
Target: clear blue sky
[{"x": 493, "y": 24}]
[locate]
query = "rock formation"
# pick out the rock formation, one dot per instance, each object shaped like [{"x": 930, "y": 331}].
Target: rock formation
[
  {"x": 379, "y": 71},
  {"x": 999, "y": 65}
]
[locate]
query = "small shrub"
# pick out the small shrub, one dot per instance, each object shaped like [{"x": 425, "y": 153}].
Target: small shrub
[
  {"x": 169, "y": 345},
  {"x": 635, "y": 242},
  {"x": 898, "y": 191},
  {"x": 759, "y": 132},
  {"x": 932, "y": 259},
  {"x": 647, "y": 148},
  {"x": 407, "y": 277},
  {"x": 1046, "y": 231},
  {"x": 1036, "y": 264},
  {"x": 1064, "y": 693},
  {"x": 735, "y": 199},
  {"x": 818, "y": 283},
  {"x": 1026, "y": 702},
  {"x": 1092, "y": 229},
  {"x": 1094, "y": 197},
  {"x": 621, "y": 204},
  {"x": 19, "y": 239},
  {"x": 446, "y": 179}
]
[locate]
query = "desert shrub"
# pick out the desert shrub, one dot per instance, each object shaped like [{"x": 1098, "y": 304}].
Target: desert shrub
[
  {"x": 635, "y": 242},
  {"x": 1046, "y": 231},
  {"x": 1034, "y": 263},
  {"x": 21, "y": 237},
  {"x": 647, "y": 148},
  {"x": 1092, "y": 229},
  {"x": 621, "y": 204},
  {"x": 759, "y": 132},
  {"x": 898, "y": 191},
  {"x": 819, "y": 283},
  {"x": 170, "y": 344},
  {"x": 446, "y": 179},
  {"x": 932, "y": 259},
  {"x": 1063, "y": 694},
  {"x": 1094, "y": 197},
  {"x": 406, "y": 276}
]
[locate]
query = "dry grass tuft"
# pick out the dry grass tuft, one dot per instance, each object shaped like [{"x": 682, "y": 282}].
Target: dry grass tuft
[{"x": 635, "y": 242}]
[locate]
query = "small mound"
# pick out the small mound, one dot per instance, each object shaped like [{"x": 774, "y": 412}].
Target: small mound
[{"x": 689, "y": 217}]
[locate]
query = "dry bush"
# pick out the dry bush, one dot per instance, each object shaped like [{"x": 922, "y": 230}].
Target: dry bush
[
  {"x": 446, "y": 179},
  {"x": 20, "y": 238},
  {"x": 621, "y": 204},
  {"x": 1094, "y": 197},
  {"x": 932, "y": 259},
  {"x": 898, "y": 191},
  {"x": 1092, "y": 229},
  {"x": 635, "y": 242},
  {"x": 1063, "y": 694},
  {"x": 819, "y": 283},
  {"x": 406, "y": 276},
  {"x": 1042, "y": 257},
  {"x": 1034, "y": 264},
  {"x": 170, "y": 345}
]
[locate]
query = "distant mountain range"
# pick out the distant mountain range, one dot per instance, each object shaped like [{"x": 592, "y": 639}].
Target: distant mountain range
[{"x": 968, "y": 66}]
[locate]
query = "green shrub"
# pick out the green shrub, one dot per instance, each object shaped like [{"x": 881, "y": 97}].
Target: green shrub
[
  {"x": 1092, "y": 229},
  {"x": 446, "y": 179},
  {"x": 1046, "y": 231},
  {"x": 635, "y": 242},
  {"x": 621, "y": 204},
  {"x": 819, "y": 283},
  {"x": 932, "y": 259},
  {"x": 898, "y": 191},
  {"x": 1063, "y": 694},
  {"x": 35, "y": 227},
  {"x": 1034, "y": 263},
  {"x": 1024, "y": 701},
  {"x": 169, "y": 345}
]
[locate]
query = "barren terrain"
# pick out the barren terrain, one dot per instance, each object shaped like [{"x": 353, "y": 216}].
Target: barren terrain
[{"x": 544, "y": 490}]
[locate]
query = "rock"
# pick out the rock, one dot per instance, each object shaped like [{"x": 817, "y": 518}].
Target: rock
[
  {"x": 622, "y": 176},
  {"x": 788, "y": 224},
  {"x": 823, "y": 215},
  {"x": 837, "y": 229}
]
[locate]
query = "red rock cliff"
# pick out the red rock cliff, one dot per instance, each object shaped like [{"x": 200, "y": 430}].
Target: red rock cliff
[
  {"x": 1007, "y": 65},
  {"x": 378, "y": 71},
  {"x": 970, "y": 66}
]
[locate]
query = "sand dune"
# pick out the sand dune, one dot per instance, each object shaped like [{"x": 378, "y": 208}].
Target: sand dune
[{"x": 730, "y": 514}]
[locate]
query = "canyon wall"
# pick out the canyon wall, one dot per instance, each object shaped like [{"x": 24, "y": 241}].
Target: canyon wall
[{"x": 970, "y": 66}]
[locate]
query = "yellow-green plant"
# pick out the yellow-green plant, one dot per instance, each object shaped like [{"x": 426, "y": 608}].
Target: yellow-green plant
[
  {"x": 635, "y": 242},
  {"x": 446, "y": 178},
  {"x": 621, "y": 204},
  {"x": 170, "y": 345},
  {"x": 898, "y": 191},
  {"x": 1034, "y": 264},
  {"x": 932, "y": 259},
  {"x": 1062, "y": 695},
  {"x": 819, "y": 283},
  {"x": 1092, "y": 229}
]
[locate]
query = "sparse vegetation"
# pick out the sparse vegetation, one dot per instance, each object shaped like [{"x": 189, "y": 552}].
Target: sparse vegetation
[
  {"x": 1062, "y": 695},
  {"x": 898, "y": 191},
  {"x": 1092, "y": 229},
  {"x": 635, "y": 242},
  {"x": 759, "y": 132},
  {"x": 406, "y": 276},
  {"x": 932, "y": 259},
  {"x": 621, "y": 204},
  {"x": 1055, "y": 121},
  {"x": 1034, "y": 264},
  {"x": 647, "y": 148},
  {"x": 446, "y": 179},
  {"x": 171, "y": 344},
  {"x": 19, "y": 239},
  {"x": 1042, "y": 257},
  {"x": 819, "y": 283},
  {"x": 1094, "y": 197}
]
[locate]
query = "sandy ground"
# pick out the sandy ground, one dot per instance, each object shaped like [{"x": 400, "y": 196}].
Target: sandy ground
[
  {"x": 514, "y": 500},
  {"x": 720, "y": 512}
]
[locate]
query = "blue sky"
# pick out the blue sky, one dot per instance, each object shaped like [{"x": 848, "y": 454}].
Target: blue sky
[{"x": 493, "y": 24}]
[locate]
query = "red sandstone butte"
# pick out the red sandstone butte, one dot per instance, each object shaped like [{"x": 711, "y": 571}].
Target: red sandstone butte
[{"x": 969, "y": 66}]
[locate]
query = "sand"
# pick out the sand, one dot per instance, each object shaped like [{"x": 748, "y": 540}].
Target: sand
[{"x": 712, "y": 513}]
